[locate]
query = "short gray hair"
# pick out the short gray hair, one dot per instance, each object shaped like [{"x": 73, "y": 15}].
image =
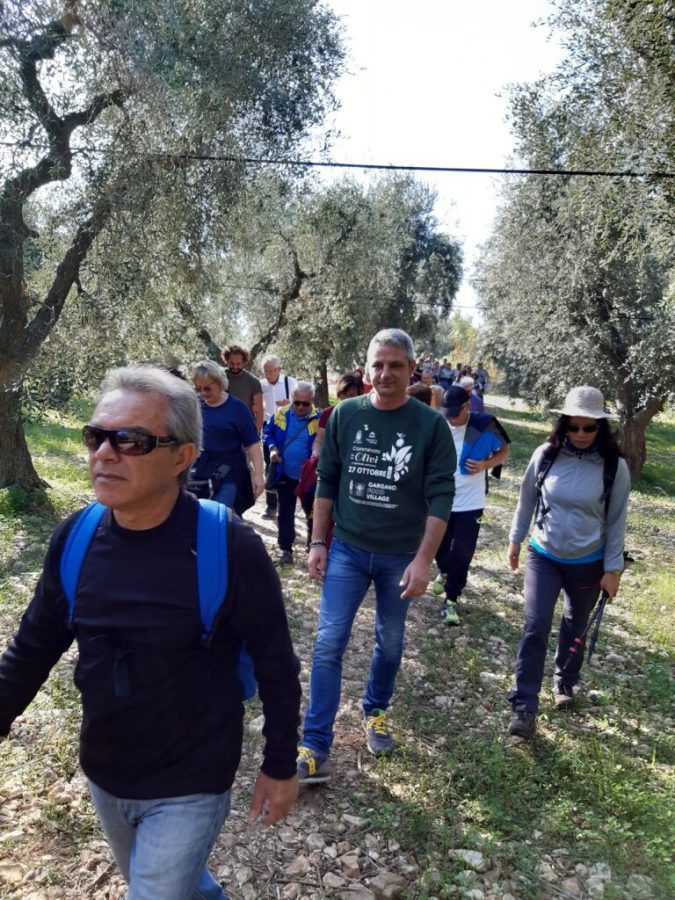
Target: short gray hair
[
  {"x": 393, "y": 337},
  {"x": 207, "y": 368},
  {"x": 184, "y": 418},
  {"x": 467, "y": 382},
  {"x": 274, "y": 360},
  {"x": 305, "y": 386}
]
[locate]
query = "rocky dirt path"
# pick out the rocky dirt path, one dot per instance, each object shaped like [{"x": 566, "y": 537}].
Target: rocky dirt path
[{"x": 337, "y": 842}]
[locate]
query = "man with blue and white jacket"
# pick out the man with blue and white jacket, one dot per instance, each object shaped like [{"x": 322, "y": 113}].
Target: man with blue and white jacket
[
  {"x": 481, "y": 444},
  {"x": 289, "y": 437}
]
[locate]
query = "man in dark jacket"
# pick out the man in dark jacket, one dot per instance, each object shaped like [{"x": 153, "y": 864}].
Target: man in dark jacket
[{"x": 162, "y": 708}]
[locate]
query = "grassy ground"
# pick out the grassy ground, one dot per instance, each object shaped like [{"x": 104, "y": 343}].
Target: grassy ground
[{"x": 594, "y": 788}]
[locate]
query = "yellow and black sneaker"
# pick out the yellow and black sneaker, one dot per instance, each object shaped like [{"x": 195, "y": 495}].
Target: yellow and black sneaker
[
  {"x": 378, "y": 734},
  {"x": 312, "y": 766}
]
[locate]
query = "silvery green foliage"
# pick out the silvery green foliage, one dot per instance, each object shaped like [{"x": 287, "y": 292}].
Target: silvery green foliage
[
  {"x": 577, "y": 279},
  {"x": 319, "y": 269},
  {"x": 123, "y": 124}
]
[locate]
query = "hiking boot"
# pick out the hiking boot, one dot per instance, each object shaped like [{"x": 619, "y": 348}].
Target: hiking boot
[
  {"x": 378, "y": 735},
  {"x": 438, "y": 585},
  {"x": 449, "y": 613},
  {"x": 285, "y": 558},
  {"x": 312, "y": 766},
  {"x": 269, "y": 514},
  {"x": 563, "y": 695},
  {"x": 523, "y": 723}
]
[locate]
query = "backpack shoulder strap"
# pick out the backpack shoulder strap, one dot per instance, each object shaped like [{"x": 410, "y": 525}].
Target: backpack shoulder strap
[
  {"x": 546, "y": 460},
  {"x": 610, "y": 466},
  {"x": 288, "y": 396},
  {"x": 212, "y": 541},
  {"x": 214, "y": 524},
  {"x": 75, "y": 550}
]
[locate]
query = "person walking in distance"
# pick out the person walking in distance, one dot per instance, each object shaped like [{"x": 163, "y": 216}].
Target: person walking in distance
[
  {"x": 289, "y": 437},
  {"x": 481, "y": 445},
  {"x": 277, "y": 390},
  {"x": 242, "y": 384}
]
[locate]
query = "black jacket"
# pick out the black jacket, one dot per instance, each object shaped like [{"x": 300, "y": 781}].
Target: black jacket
[{"x": 162, "y": 715}]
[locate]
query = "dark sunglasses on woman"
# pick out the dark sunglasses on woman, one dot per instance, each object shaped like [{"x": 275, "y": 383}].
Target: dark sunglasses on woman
[{"x": 587, "y": 429}]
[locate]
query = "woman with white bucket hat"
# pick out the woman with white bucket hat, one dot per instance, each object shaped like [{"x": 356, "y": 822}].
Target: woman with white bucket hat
[{"x": 576, "y": 486}]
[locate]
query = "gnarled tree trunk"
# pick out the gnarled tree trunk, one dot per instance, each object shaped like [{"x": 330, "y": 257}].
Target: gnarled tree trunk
[
  {"x": 321, "y": 398},
  {"x": 633, "y": 441},
  {"x": 16, "y": 466}
]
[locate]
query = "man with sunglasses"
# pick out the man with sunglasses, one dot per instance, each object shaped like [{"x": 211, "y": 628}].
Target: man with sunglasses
[
  {"x": 289, "y": 437},
  {"x": 162, "y": 710}
]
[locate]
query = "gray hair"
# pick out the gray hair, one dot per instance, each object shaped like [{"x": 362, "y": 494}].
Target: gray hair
[
  {"x": 393, "y": 337},
  {"x": 305, "y": 386},
  {"x": 274, "y": 360},
  {"x": 207, "y": 368},
  {"x": 184, "y": 418},
  {"x": 466, "y": 381}
]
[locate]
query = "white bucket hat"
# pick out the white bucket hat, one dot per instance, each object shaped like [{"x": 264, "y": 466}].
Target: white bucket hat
[{"x": 584, "y": 401}]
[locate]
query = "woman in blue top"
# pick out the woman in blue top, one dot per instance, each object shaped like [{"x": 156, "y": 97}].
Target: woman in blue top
[
  {"x": 229, "y": 441},
  {"x": 576, "y": 544}
]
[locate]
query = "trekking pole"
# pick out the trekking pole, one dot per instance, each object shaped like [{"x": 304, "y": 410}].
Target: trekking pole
[
  {"x": 599, "y": 612},
  {"x": 577, "y": 648}
]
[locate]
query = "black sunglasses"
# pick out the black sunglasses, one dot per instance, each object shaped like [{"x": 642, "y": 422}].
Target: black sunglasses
[
  {"x": 126, "y": 441},
  {"x": 587, "y": 429},
  {"x": 301, "y": 403}
]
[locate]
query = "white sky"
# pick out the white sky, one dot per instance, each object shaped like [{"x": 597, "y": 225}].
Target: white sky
[{"x": 423, "y": 89}]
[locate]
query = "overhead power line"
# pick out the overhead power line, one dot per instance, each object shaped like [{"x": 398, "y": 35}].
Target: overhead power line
[
  {"x": 386, "y": 167},
  {"x": 380, "y": 167}
]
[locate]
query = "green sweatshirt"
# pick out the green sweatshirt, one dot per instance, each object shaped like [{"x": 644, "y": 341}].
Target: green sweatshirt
[{"x": 386, "y": 471}]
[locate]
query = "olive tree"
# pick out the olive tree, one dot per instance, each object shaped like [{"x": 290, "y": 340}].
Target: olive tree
[
  {"x": 577, "y": 280},
  {"x": 118, "y": 116}
]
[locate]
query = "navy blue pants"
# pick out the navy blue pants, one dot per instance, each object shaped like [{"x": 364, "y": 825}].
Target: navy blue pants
[
  {"x": 286, "y": 512},
  {"x": 456, "y": 550},
  {"x": 544, "y": 579}
]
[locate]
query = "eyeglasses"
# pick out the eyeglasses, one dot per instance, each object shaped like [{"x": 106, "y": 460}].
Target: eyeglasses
[
  {"x": 587, "y": 429},
  {"x": 302, "y": 403},
  {"x": 126, "y": 441}
]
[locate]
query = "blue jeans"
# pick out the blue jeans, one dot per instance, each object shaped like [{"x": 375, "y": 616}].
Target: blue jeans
[
  {"x": 226, "y": 492},
  {"x": 544, "y": 579},
  {"x": 161, "y": 846},
  {"x": 348, "y": 576}
]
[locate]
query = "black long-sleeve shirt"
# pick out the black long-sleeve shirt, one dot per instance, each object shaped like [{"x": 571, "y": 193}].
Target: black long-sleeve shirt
[{"x": 162, "y": 714}]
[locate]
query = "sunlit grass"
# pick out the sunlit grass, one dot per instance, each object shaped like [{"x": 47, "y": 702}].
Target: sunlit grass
[{"x": 598, "y": 784}]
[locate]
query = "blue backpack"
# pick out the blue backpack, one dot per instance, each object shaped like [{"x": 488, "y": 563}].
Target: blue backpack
[{"x": 213, "y": 525}]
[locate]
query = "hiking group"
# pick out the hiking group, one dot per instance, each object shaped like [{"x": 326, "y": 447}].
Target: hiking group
[{"x": 175, "y": 604}]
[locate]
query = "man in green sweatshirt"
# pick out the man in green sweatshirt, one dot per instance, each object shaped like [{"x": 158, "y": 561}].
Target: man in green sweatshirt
[{"x": 386, "y": 477}]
